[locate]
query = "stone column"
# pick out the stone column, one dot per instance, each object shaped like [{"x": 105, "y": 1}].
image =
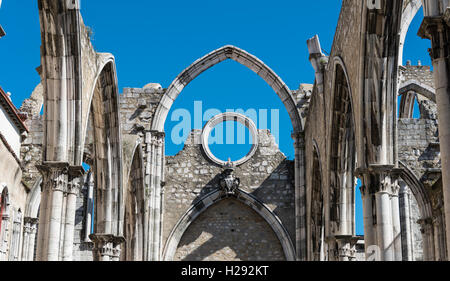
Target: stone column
[
  {"x": 73, "y": 188},
  {"x": 89, "y": 206},
  {"x": 155, "y": 144},
  {"x": 407, "y": 245},
  {"x": 436, "y": 27},
  {"x": 4, "y": 237},
  {"x": 439, "y": 248},
  {"x": 370, "y": 235},
  {"x": 396, "y": 226},
  {"x": 54, "y": 184},
  {"x": 15, "y": 237},
  {"x": 428, "y": 238},
  {"x": 29, "y": 237},
  {"x": 300, "y": 196},
  {"x": 385, "y": 233},
  {"x": 376, "y": 190}
]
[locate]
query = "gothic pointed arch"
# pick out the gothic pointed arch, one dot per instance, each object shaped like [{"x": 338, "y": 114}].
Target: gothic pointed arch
[
  {"x": 102, "y": 147},
  {"x": 214, "y": 58},
  {"x": 410, "y": 9},
  {"x": 410, "y": 91},
  {"x": 317, "y": 211},
  {"x": 418, "y": 189},
  {"x": 342, "y": 163},
  {"x": 135, "y": 210},
  {"x": 212, "y": 199}
]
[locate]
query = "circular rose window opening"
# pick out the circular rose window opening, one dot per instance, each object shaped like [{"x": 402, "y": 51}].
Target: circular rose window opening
[{"x": 230, "y": 136}]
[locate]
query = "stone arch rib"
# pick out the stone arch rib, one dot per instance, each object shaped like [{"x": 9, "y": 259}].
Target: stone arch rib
[
  {"x": 408, "y": 14},
  {"x": 104, "y": 107},
  {"x": 216, "y": 196},
  {"x": 418, "y": 190},
  {"x": 135, "y": 201},
  {"x": 214, "y": 58}
]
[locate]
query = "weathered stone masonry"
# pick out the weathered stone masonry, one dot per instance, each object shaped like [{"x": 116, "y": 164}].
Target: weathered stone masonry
[{"x": 135, "y": 203}]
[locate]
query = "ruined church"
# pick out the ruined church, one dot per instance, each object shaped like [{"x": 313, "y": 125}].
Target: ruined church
[{"x": 134, "y": 203}]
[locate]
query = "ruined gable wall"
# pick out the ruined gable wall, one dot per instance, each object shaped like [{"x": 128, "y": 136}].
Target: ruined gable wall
[
  {"x": 190, "y": 176},
  {"x": 137, "y": 108},
  {"x": 229, "y": 231}
]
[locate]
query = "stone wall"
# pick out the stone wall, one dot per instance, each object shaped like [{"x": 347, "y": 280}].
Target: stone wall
[
  {"x": 420, "y": 73},
  {"x": 31, "y": 150},
  {"x": 137, "y": 107},
  {"x": 418, "y": 144},
  {"x": 412, "y": 240},
  {"x": 229, "y": 231},
  {"x": 418, "y": 149},
  {"x": 190, "y": 176},
  {"x": 10, "y": 178}
]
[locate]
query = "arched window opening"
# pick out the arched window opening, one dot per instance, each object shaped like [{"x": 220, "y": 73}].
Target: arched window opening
[
  {"x": 343, "y": 159},
  {"x": 236, "y": 93},
  {"x": 15, "y": 237},
  {"x": 230, "y": 140},
  {"x": 134, "y": 247},
  {"x": 416, "y": 110},
  {"x": 317, "y": 213},
  {"x": 4, "y": 223},
  {"x": 414, "y": 48}
]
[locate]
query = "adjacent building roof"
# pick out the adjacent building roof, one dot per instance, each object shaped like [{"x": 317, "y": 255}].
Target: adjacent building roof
[{"x": 12, "y": 111}]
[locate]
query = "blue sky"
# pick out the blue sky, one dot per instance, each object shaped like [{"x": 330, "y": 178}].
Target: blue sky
[{"x": 153, "y": 41}]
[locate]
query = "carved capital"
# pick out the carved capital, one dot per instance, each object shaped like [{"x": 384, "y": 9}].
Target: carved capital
[
  {"x": 31, "y": 221},
  {"x": 345, "y": 246},
  {"x": 54, "y": 175},
  {"x": 103, "y": 245},
  {"x": 107, "y": 245},
  {"x": 378, "y": 178},
  {"x": 438, "y": 31}
]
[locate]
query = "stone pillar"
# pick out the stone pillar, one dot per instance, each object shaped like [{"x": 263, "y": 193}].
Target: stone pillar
[
  {"x": 155, "y": 143},
  {"x": 385, "y": 233},
  {"x": 428, "y": 239},
  {"x": 376, "y": 190},
  {"x": 396, "y": 226},
  {"x": 436, "y": 27},
  {"x": 370, "y": 235},
  {"x": 29, "y": 238},
  {"x": 54, "y": 183},
  {"x": 300, "y": 196},
  {"x": 407, "y": 244},
  {"x": 439, "y": 247},
  {"x": 89, "y": 206},
  {"x": 15, "y": 237},
  {"x": 4, "y": 235},
  {"x": 73, "y": 188}
]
